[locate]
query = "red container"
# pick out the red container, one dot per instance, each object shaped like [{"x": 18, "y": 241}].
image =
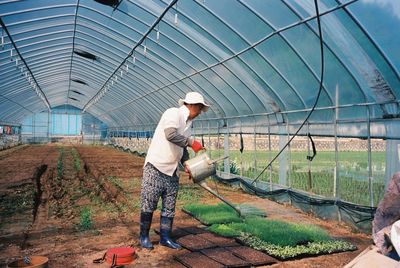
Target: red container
[{"x": 120, "y": 256}]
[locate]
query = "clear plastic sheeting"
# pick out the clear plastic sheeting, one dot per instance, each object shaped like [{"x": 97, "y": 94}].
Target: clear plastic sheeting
[
  {"x": 64, "y": 122},
  {"x": 127, "y": 63}
]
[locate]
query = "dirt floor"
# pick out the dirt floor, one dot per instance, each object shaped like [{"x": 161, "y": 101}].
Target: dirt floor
[{"x": 72, "y": 203}]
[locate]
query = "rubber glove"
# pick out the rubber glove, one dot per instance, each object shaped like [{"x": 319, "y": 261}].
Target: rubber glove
[{"x": 196, "y": 146}]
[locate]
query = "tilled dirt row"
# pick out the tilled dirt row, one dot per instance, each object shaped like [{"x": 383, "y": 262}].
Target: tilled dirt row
[
  {"x": 107, "y": 161},
  {"x": 105, "y": 182},
  {"x": 21, "y": 173}
]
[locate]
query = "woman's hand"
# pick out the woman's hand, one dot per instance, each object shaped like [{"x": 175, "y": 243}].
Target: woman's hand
[{"x": 187, "y": 171}]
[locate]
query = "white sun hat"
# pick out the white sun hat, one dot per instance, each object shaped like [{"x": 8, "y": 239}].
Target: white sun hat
[{"x": 194, "y": 98}]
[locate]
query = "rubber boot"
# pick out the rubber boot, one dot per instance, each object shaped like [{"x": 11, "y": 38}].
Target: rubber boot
[
  {"x": 145, "y": 223},
  {"x": 165, "y": 233}
]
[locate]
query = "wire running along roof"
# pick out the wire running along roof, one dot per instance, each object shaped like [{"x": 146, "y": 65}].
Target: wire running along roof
[{"x": 127, "y": 61}]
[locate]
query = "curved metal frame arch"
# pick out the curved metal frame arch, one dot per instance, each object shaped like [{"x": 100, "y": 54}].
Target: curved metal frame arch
[
  {"x": 328, "y": 47},
  {"x": 250, "y": 68}
]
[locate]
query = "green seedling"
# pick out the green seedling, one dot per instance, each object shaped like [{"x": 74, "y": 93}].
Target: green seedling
[{"x": 85, "y": 222}]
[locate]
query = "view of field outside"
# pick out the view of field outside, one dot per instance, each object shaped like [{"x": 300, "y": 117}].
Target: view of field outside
[{"x": 316, "y": 176}]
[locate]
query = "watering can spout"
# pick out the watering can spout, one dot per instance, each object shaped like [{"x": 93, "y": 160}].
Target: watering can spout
[
  {"x": 210, "y": 162},
  {"x": 204, "y": 185}
]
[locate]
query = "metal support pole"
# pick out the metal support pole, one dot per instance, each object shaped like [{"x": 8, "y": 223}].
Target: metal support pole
[
  {"x": 93, "y": 125},
  {"x": 68, "y": 123},
  {"x": 33, "y": 129},
  {"x": 283, "y": 156},
  {"x": 218, "y": 147},
  {"x": 289, "y": 158},
  {"x": 309, "y": 184},
  {"x": 370, "y": 178},
  {"x": 255, "y": 149},
  {"x": 241, "y": 154},
  {"x": 336, "y": 170},
  {"x": 83, "y": 134},
  {"x": 202, "y": 134},
  {"x": 226, "y": 149},
  {"x": 269, "y": 153},
  {"x": 202, "y": 131},
  {"x": 209, "y": 138},
  {"x": 48, "y": 126},
  {"x": 194, "y": 129}
]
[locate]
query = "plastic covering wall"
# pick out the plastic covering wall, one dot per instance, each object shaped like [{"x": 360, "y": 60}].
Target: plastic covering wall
[
  {"x": 64, "y": 121},
  {"x": 127, "y": 63}
]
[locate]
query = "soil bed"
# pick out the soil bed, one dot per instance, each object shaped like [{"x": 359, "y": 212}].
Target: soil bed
[{"x": 107, "y": 187}]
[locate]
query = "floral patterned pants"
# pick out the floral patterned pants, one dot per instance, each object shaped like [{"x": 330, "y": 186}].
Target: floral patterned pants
[{"x": 156, "y": 184}]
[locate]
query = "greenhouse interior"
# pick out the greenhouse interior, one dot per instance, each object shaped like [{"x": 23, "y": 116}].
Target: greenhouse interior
[{"x": 293, "y": 106}]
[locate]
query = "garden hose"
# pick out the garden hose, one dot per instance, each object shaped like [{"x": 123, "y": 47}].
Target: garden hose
[{"x": 321, "y": 42}]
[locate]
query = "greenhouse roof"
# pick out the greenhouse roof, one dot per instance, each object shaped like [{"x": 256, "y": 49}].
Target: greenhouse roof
[{"x": 126, "y": 61}]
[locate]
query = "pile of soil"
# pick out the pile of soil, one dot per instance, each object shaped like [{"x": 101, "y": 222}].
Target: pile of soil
[{"x": 72, "y": 203}]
